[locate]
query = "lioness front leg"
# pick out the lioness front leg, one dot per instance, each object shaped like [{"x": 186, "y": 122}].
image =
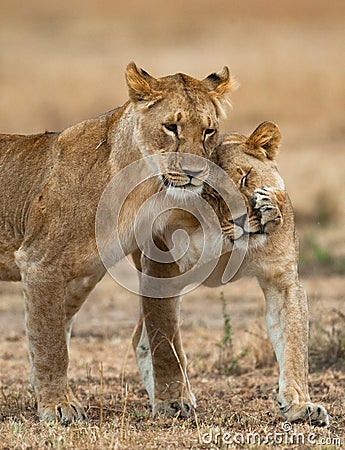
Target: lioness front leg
[
  {"x": 287, "y": 325},
  {"x": 172, "y": 393},
  {"x": 45, "y": 320},
  {"x": 160, "y": 356}
]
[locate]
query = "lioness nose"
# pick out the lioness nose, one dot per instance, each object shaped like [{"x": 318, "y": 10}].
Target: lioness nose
[
  {"x": 196, "y": 173},
  {"x": 240, "y": 221}
]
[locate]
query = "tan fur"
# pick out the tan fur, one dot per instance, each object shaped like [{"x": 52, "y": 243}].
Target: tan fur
[
  {"x": 272, "y": 259},
  {"x": 51, "y": 185}
]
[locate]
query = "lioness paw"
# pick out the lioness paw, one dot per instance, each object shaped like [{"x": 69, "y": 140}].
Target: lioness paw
[
  {"x": 63, "y": 412},
  {"x": 175, "y": 408},
  {"x": 307, "y": 412},
  {"x": 267, "y": 202}
]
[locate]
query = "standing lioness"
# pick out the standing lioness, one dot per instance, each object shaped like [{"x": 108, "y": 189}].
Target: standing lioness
[{"x": 51, "y": 185}]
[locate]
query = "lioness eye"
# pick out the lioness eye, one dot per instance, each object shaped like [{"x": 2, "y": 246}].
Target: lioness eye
[
  {"x": 170, "y": 127},
  {"x": 209, "y": 132},
  {"x": 243, "y": 181}
]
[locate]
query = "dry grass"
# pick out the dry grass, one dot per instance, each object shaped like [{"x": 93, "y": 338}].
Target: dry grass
[
  {"x": 237, "y": 404},
  {"x": 62, "y": 62},
  {"x": 104, "y": 376},
  {"x": 327, "y": 347}
]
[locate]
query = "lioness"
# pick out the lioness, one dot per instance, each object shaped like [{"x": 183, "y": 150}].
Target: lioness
[
  {"x": 51, "y": 185},
  {"x": 272, "y": 257}
]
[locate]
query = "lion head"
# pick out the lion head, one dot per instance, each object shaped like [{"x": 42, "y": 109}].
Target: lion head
[
  {"x": 250, "y": 163},
  {"x": 178, "y": 120}
]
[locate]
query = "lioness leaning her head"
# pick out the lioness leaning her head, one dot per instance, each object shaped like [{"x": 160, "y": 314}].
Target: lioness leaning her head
[
  {"x": 265, "y": 239},
  {"x": 52, "y": 183}
]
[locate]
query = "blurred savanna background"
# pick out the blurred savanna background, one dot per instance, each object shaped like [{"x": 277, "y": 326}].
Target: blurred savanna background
[{"x": 62, "y": 62}]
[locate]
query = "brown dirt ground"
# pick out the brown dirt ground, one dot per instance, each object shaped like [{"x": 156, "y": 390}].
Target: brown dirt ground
[
  {"x": 239, "y": 402},
  {"x": 61, "y": 63}
]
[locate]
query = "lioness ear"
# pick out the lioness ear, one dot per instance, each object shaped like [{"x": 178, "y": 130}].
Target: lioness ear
[
  {"x": 264, "y": 141},
  {"x": 219, "y": 85},
  {"x": 141, "y": 85}
]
